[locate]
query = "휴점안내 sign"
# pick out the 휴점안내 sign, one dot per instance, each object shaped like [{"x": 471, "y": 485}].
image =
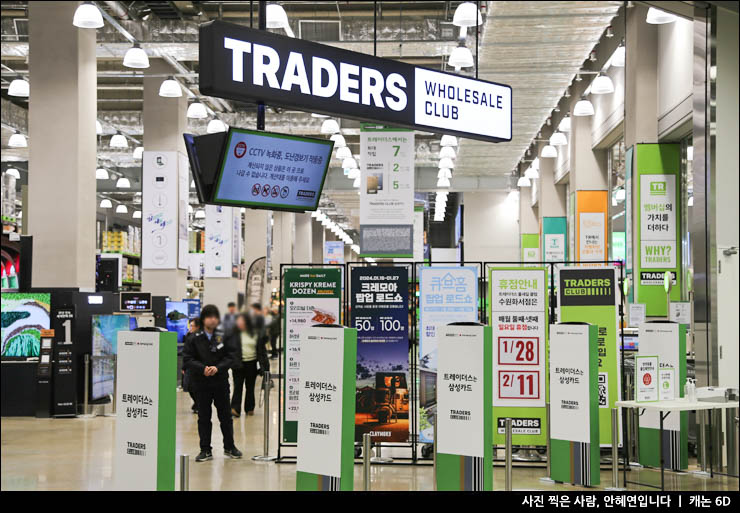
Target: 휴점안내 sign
[{"x": 245, "y": 64}]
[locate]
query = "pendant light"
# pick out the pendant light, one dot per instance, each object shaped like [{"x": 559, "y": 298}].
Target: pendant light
[
  {"x": 121, "y": 209},
  {"x": 618, "y": 56},
  {"x": 602, "y": 84},
  {"x": 344, "y": 153},
  {"x": 13, "y": 172},
  {"x": 461, "y": 57},
  {"x": 170, "y": 88},
  {"x": 123, "y": 183},
  {"x": 276, "y": 16},
  {"x": 17, "y": 140},
  {"x": 564, "y": 125},
  {"x": 353, "y": 173},
  {"x": 137, "y": 214},
  {"x": 106, "y": 203},
  {"x": 621, "y": 194},
  {"x": 138, "y": 152},
  {"x": 87, "y": 15},
  {"x": 329, "y": 126},
  {"x": 532, "y": 173},
  {"x": 549, "y": 152},
  {"x": 19, "y": 87},
  {"x": 658, "y": 17},
  {"x": 447, "y": 152},
  {"x": 443, "y": 182},
  {"x": 349, "y": 163},
  {"x": 448, "y": 140},
  {"x": 467, "y": 15},
  {"x": 339, "y": 141},
  {"x": 523, "y": 182},
  {"x": 583, "y": 108},
  {"x": 200, "y": 214},
  {"x": 446, "y": 162},
  {"x": 444, "y": 172},
  {"x": 101, "y": 174},
  {"x": 197, "y": 110},
  {"x": 356, "y": 183},
  {"x": 118, "y": 141},
  {"x": 136, "y": 58},
  {"x": 215, "y": 126},
  {"x": 558, "y": 139},
  {"x": 98, "y": 127}
]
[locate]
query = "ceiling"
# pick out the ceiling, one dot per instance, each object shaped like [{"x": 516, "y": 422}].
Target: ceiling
[{"x": 536, "y": 47}]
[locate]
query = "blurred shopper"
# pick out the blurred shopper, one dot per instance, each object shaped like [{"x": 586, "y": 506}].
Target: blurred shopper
[
  {"x": 251, "y": 360},
  {"x": 229, "y": 319},
  {"x": 208, "y": 356},
  {"x": 187, "y": 377},
  {"x": 274, "y": 331}
]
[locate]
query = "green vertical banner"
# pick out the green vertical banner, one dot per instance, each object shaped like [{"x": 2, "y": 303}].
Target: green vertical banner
[
  {"x": 554, "y": 239},
  {"x": 667, "y": 341},
  {"x": 518, "y": 315},
  {"x": 628, "y": 208},
  {"x": 326, "y": 418},
  {"x": 658, "y": 172},
  {"x": 464, "y": 415},
  {"x": 590, "y": 294},
  {"x": 146, "y": 373},
  {"x": 574, "y": 404},
  {"x": 312, "y": 296},
  {"x": 531, "y": 247}
]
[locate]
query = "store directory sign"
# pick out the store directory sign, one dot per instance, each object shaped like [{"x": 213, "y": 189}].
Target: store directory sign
[
  {"x": 246, "y": 65},
  {"x": 268, "y": 170}
]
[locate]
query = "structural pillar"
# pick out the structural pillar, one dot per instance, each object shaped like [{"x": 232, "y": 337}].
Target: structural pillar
[
  {"x": 283, "y": 235},
  {"x": 318, "y": 237},
  {"x": 551, "y": 211},
  {"x": 302, "y": 247},
  {"x": 528, "y": 219},
  {"x": 483, "y": 210},
  {"x": 62, "y": 147}
]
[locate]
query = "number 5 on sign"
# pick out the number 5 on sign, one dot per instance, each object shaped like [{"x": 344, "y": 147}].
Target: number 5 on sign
[{"x": 519, "y": 384}]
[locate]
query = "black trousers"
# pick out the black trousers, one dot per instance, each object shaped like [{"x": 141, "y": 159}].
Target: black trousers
[
  {"x": 218, "y": 394},
  {"x": 245, "y": 377}
]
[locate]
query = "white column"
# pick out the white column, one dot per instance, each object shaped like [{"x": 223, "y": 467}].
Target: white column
[
  {"x": 484, "y": 210},
  {"x": 302, "y": 246},
  {"x": 318, "y": 236}
]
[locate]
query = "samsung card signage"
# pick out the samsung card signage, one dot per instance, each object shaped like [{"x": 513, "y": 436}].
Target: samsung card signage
[{"x": 246, "y": 64}]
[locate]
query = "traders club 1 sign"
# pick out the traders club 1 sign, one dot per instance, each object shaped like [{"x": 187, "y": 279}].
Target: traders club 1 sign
[{"x": 245, "y": 64}]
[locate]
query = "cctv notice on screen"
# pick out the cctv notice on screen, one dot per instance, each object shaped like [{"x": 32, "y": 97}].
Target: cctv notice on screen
[{"x": 250, "y": 65}]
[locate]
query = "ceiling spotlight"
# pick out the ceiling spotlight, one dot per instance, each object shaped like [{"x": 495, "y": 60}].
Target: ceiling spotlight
[
  {"x": 618, "y": 57},
  {"x": 461, "y": 57},
  {"x": 523, "y": 182},
  {"x": 564, "y": 125},
  {"x": 602, "y": 84},
  {"x": 443, "y": 182},
  {"x": 197, "y": 111},
  {"x": 18, "y": 87},
  {"x": 592, "y": 56},
  {"x": 549, "y": 152},
  {"x": 98, "y": 127},
  {"x": 467, "y": 15},
  {"x": 448, "y": 140},
  {"x": 123, "y": 183},
  {"x": 137, "y": 214},
  {"x": 658, "y": 17},
  {"x": 344, "y": 153},
  {"x": 444, "y": 172},
  {"x": 446, "y": 162},
  {"x": 578, "y": 77},
  {"x": 101, "y": 174},
  {"x": 447, "y": 152},
  {"x": 170, "y": 88},
  {"x": 87, "y": 15},
  {"x": 200, "y": 214},
  {"x": 339, "y": 141},
  {"x": 106, "y": 203},
  {"x": 13, "y": 172},
  {"x": 558, "y": 139},
  {"x": 138, "y": 152},
  {"x": 118, "y": 141},
  {"x": 609, "y": 31},
  {"x": 136, "y": 57},
  {"x": 121, "y": 209},
  {"x": 548, "y": 122},
  {"x": 583, "y": 108},
  {"x": 329, "y": 126},
  {"x": 215, "y": 126},
  {"x": 566, "y": 94},
  {"x": 17, "y": 140}
]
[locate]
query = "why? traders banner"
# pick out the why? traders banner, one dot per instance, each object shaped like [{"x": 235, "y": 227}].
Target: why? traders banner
[
  {"x": 591, "y": 295},
  {"x": 446, "y": 294},
  {"x": 312, "y": 296},
  {"x": 380, "y": 314},
  {"x": 518, "y": 316}
]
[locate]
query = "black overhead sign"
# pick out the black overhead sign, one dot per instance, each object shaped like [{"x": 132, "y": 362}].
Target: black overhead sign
[{"x": 245, "y": 64}]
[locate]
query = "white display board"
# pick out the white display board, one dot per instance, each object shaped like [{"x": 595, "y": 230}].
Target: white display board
[
  {"x": 636, "y": 314},
  {"x": 460, "y": 381},
  {"x": 570, "y": 416},
  {"x": 223, "y": 229},
  {"x": 591, "y": 233},
  {"x": 657, "y": 221},
  {"x": 662, "y": 340},
  {"x": 518, "y": 320},
  {"x": 320, "y": 404},
  {"x": 554, "y": 244},
  {"x": 160, "y": 221},
  {"x": 183, "y": 200}
]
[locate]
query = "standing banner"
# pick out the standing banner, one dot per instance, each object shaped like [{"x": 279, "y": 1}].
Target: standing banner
[
  {"x": 326, "y": 421},
  {"x": 464, "y": 422},
  {"x": 574, "y": 404},
  {"x": 518, "y": 315},
  {"x": 312, "y": 296},
  {"x": 530, "y": 247},
  {"x": 591, "y": 295},
  {"x": 592, "y": 207},
  {"x": 386, "y": 192},
  {"x": 554, "y": 231},
  {"x": 667, "y": 341},
  {"x": 446, "y": 294},
  {"x": 146, "y": 373},
  {"x": 333, "y": 252},
  {"x": 160, "y": 223},
  {"x": 221, "y": 235},
  {"x": 380, "y": 314},
  {"x": 658, "y": 169}
]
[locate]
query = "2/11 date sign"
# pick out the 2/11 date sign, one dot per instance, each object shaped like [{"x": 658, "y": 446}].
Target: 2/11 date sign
[
  {"x": 518, "y": 351},
  {"x": 519, "y": 384}
]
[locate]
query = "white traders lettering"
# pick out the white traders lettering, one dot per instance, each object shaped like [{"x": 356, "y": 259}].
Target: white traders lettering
[
  {"x": 458, "y": 94},
  {"x": 356, "y": 84}
]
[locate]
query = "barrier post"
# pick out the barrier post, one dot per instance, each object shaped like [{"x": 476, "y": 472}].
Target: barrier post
[
  {"x": 265, "y": 456},
  {"x": 366, "y": 452},
  {"x": 184, "y": 473},
  {"x": 702, "y": 472},
  {"x": 86, "y": 398},
  {"x": 547, "y": 478},
  {"x": 434, "y": 453},
  {"x": 615, "y": 452},
  {"x": 509, "y": 446}
]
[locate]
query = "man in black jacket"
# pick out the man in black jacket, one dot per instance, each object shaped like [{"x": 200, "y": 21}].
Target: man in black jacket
[{"x": 208, "y": 357}]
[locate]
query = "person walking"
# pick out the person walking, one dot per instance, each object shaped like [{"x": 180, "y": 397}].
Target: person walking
[
  {"x": 251, "y": 360},
  {"x": 208, "y": 356},
  {"x": 187, "y": 375},
  {"x": 229, "y": 319}
]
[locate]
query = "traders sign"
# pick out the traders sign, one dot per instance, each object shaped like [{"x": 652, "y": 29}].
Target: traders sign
[{"x": 246, "y": 64}]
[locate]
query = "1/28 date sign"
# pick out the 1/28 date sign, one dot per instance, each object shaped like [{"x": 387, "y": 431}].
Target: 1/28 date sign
[{"x": 518, "y": 350}]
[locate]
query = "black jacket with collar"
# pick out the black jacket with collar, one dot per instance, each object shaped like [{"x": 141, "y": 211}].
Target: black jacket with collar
[{"x": 197, "y": 355}]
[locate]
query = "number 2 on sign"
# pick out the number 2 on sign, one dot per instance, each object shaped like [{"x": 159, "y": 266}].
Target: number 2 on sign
[{"x": 519, "y": 384}]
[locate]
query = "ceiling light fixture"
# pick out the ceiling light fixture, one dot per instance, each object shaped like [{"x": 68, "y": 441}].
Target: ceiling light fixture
[
  {"x": 549, "y": 152},
  {"x": 215, "y": 126},
  {"x": 444, "y": 172},
  {"x": 106, "y": 203},
  {"x": 192, "y": 184},
  {"x": 197, "y": 110},
  {"x": 13, "y": 172},
  {"x": 136, "y": 58},
  {"x": 602, "y": 84},
  {"x": 87, "y": 15},
  {"x": 200, "y": 214},
  {"x": 467, "y": 15},
  {"x": 353, "y": 173},
  {"x": 121, "y": 209},
  {"x": 621, "y": 194},
  {"x": 446, "y": 162},
  {"x": 170, "y": 88},
  {"x": 343, "y": 153},
  {"x": 101, "y": 174},
  {"x": 618, "y": 56},
  {"x": 137, "y": 214},
  {"x": 339, "y": 141},
  {"x": 329, "y": 126},
  {"x": 276, "y": 16},
  {"x": 98, "y": 127},
  {"x": 356, "y": 183},
  {"x": 123, "y": 183},
  {"x": 564, "y": 125},
  {"x": 349, "y": 163},
  {"x": 118, "y": 141},
  {"x": 448, "y": 140},
  {"x": 461, "y": 57},
  {"x": 138, "y": 152},
  {"x": 443, "y": 182},
  {"x": 658, "y": 17},
  {"x": 523, "y": 182},
  {"x": 583, "y": 108},
  {"x": 447, "y": 152},
  {"x": 558, "y": 139},
  {"x": 532, "y": 173},
  {"x": 19, "y": 87},
  {"x": 17, "y": 140}
]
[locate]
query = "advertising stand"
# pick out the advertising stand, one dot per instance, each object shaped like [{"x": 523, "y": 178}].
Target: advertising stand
[
  {"x": 574, "y": 404},
  {"x": 464, "y": 415},
  {"x": 326, "y": 415},
  {"x": 144, "y": 452}
]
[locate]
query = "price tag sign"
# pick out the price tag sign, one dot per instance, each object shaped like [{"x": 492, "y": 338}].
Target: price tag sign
[{"x": 519, "y": 384}]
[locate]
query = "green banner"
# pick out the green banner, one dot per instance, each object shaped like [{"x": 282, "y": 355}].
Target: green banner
[
  {"x": 311, "y": 296},
  {"x": 555, "y": 239},
  {"x": 531, "y": 247}
]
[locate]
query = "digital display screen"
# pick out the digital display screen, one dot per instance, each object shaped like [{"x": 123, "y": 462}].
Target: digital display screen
[
  {"x": 136, "y": 302},
  {"x": 275, "y": 171},
  {"x": 630, "y": 343},
  {"x": 105, "y": 330},
  {"x": 177, "y": 318}
]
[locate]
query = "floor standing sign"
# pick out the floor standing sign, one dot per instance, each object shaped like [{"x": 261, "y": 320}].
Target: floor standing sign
[
  {"x": 574, "y": 408},
  {"x": 518, "y": 317},
  {"x": 146, "y": 370},
  {"x": 312, "y": 296},
  {"x": 666, "y": 343},
  {"x": 464, "y": 421},
  {"x": 446, "y": 294},
  {"x": 326, "y": 420},
  {"x": 590, "y": 294}
]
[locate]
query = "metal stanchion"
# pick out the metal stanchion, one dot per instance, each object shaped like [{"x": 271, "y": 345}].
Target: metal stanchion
[
  {"x": 86, "y": 398},
  {"x": 547, "y": 478},
  {"x": 732, "y": 441},
  {"x": 265, "y": 456},
  {"x": 636, "y": 432},
  {"x": 508, "y": 454},
  {"x": 434, "y": 454},
  {"x": 184, "y": 473},
  {"x": 112, "y": 412},
  {"x": 702, "y": 472},
  {"x": 366, "y": 451},
  {"x": 615, "y": 452}
]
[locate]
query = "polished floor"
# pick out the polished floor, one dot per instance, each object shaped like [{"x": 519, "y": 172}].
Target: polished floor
[{"x": 76, "y": 454}]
